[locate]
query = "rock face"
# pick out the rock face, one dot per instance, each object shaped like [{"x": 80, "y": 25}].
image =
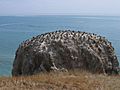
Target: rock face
[{"x": 65, "y": 50}]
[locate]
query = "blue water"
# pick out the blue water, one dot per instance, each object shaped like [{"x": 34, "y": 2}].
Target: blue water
[{"x": 14, "y": 30}]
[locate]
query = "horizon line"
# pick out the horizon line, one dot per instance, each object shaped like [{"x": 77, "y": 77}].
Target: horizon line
[{"x": 56, "y": 15}]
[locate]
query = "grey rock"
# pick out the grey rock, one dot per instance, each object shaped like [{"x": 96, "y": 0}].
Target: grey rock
[{"x": 64, "y": 51}]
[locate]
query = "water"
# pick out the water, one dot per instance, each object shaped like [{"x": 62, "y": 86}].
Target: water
[{"x": 14, "y": 30}]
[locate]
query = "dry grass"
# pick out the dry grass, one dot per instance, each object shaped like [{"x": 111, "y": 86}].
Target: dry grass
[{"x": 61, "y": 81}]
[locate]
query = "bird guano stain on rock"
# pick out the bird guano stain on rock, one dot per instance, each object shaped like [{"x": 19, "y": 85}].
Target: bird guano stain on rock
[{"x": 64, "y": 51}]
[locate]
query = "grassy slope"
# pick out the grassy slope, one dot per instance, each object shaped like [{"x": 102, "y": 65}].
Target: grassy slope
[{"x": 61, "y": 81}]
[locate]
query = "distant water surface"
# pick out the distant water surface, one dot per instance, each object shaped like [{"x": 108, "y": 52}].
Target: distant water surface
[{"x": 14, "y": 30}]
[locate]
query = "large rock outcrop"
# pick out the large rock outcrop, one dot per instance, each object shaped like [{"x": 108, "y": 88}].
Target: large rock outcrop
[{"x": 65, "y": 50}]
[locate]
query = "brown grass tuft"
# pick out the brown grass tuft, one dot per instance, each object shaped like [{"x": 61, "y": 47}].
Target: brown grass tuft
[{"x": 61, "y": 81}]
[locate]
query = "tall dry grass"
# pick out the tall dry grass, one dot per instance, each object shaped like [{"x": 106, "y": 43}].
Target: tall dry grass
[{"x": 77, "y": 80}]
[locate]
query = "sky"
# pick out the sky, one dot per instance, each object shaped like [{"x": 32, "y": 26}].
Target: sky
[{"x": 59, "y": 7}]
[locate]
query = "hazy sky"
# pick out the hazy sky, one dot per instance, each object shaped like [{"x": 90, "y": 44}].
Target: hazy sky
[{"x": 53, "y": 7}]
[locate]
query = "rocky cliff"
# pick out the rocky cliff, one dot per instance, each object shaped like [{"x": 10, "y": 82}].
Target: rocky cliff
[{"x": 64, "y": 51}]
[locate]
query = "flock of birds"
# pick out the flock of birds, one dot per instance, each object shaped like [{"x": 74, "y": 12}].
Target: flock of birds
[{"x": 90, "y": 40}]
